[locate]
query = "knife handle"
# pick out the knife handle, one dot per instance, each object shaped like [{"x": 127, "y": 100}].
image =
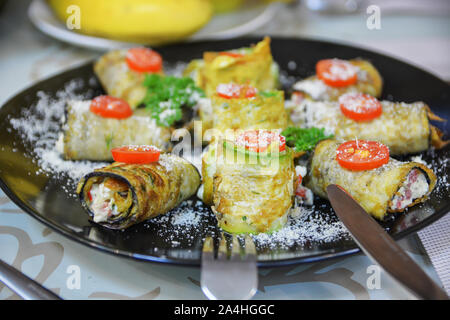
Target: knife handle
[
  {"x": 24, "y": 286},
  {"x": 380, "y": 247}
]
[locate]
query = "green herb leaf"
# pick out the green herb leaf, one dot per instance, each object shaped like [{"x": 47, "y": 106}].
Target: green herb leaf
[
  {"x": 268, "y": 94},
  {"x": 166, "y": 95},
  {"x": 108, "y": 141},
  {"x": 304, "y": 139}
]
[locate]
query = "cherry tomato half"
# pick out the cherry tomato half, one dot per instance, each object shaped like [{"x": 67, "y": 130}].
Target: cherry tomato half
[
  {"x": 360, "y": 106},
  {"x": 144, "y": 60},
  {"x": 336, "y": 72},
  {"x": 231, "y": 54},
  {"x": 140, "y": 154},
  {"x": 359, "y": 155},
  {"x": 111, "y": 107},
  {"x": 235, "y": 91},
  {"x": 260, "y": 140}
]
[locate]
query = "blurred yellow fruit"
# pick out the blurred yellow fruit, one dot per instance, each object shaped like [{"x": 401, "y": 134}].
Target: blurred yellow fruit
[
  {"x": 222, "y": 6},
  {"x": 144, "y": 21}
]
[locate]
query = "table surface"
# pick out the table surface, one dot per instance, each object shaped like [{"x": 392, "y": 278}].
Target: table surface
[{"x": 26, "y": 56}]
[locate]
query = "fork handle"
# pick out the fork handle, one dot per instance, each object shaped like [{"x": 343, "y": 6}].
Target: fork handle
[{"x": 24, "y": 286}]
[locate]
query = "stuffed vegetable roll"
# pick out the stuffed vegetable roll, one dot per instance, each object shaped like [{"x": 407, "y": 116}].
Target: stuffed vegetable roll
[
  {"x": 334, "y": 77},
  {"x": 122, "y": 194},
  {"x": 250, "y": 189},
  {"x": 390, "y": 186},
  {"x": 244, "y": 107},
  {"x": 121, "y": 72},
  {"x": 253, "y": 65},
  {"x": 91, "y": 136},
  {"x": 404, "y": 128}
]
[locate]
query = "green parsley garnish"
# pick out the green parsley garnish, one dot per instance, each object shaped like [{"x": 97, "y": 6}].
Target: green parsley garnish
[
  {"x": 166, "y": 95},
  {"x": 304, "y": 139},
  {"x": 108, "y": 140},
  {"x": 268, "y": 94}
]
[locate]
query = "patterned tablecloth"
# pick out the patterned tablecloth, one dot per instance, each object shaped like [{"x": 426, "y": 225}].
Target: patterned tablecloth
[{"x": 53, "y": 260}]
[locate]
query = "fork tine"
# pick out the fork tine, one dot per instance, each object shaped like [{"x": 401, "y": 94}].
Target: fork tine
[
  {"x": 250, "y": 250},
  {"x": 208, "y": 245},
  {"x": 235, "y": 249},
  {"x": 208, "y": 249},
  {"x": 222, "y": 253},
  {"x": 224, "y": 278}
]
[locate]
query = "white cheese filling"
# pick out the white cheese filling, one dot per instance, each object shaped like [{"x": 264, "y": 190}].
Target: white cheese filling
[
  {"x": 204, "y": 104},
  {"x": 102, "y": 204},
  {"x": 315, "y": 88},
  {"x": 414, "y": 187},
  {"x": 59, "y": 145},
  {"x": 303, "y": 194},
  {"x": 200, "y": 191}
]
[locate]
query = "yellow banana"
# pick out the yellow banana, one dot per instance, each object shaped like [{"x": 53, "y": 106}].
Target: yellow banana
[
  {"x": 144, "y": 21},
  {"x": 223, "y": 6}
]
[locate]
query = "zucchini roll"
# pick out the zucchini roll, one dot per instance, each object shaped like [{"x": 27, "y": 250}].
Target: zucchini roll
[
  {"x": 120, "y": 195},
  {"x": 261, "y": 110},
  {"x": 250, "y": 192},
  {"x": 368, "y": 80},
  {"x": 88, "y": 136},
  {"x": 119, "y": 79},
  {"x": 253, "y": 65},
  {"x": 391, "y": 187},
  {"x": 404, "y": 128}
]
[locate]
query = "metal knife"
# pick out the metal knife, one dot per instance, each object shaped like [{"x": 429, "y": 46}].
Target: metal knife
[
  {"x": 24, "y": 286},
  {"x": 381, "y": 248}
]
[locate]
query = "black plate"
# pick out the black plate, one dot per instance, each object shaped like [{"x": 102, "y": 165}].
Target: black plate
[{"x": 44, "y": 198}]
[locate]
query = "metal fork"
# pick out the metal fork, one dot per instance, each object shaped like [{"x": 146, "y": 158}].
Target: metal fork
[{"x": 229, "y": 276}]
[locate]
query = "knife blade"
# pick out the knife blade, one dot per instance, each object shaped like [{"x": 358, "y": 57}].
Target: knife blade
[{"x": 380, "y": 247}]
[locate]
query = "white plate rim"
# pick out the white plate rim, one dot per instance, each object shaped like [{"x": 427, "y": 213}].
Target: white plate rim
[{"x": 39, "y": 8}]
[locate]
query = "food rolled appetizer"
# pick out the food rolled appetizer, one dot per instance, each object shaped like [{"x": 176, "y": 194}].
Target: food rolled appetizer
[
  {"x": 122, "y": 72},
  {"x": 142, "y": 184},
  {"x": 244, "y": 107},
  {"x": 249, "y": 181},
  {"x": 404, "y": 128},
  {"x": 253, "y": 65},
  {"x": 334, "y": 77},
  {"x": 364, "y": 169},
  {"x": 93, "y": 127}
]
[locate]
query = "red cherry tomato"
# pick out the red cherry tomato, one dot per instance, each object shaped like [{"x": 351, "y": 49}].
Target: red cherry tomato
[
  {"x": 111, "y": 107},
  {"x": 136, "y": 154},
  {"x": 235, "y": 91},
  {"x": 359, "y": 155},
  {"x": 336, "y": 73},
  {"x": 229, "y": 90},
  {"x": 297, "y": 97},
  {"x": 231, "y": 54},
  {"x": 260, "y": 140},
  {"x": 249, "y": 91},
  {"x": 144, "y": 60},
  {"x": 360, "y": 106},
  {"x": 300, "y": 191}
]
